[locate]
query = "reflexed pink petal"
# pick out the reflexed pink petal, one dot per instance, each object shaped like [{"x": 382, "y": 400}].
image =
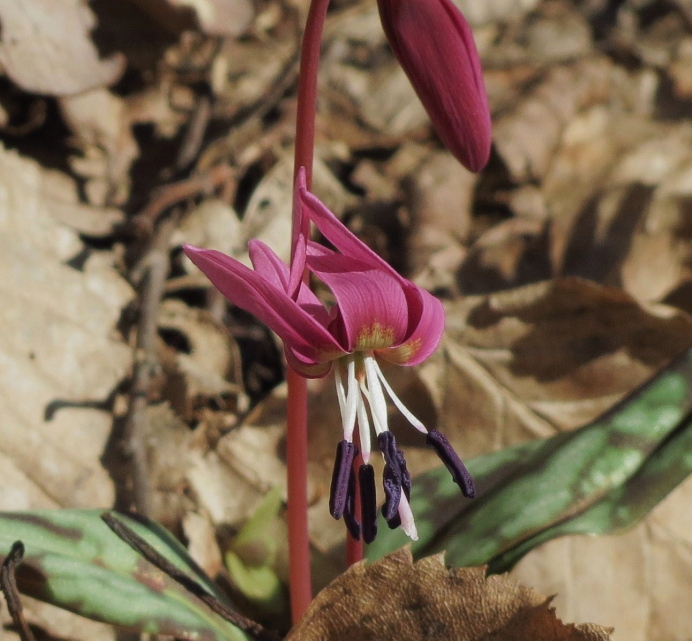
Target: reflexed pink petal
[
  {"x": 372, "y": 306},
  {"x": 268, "y": 265},
  {"x": 424, "y": 338},
  {"x": 434, "y": 45},
  {"x": 300, "y": 228},
  {"x": 297, "y": 269},
  {"x": 307, "y": 367},
  {"x": 257, "y": 295},
  {"x": 339, "y": 235}
]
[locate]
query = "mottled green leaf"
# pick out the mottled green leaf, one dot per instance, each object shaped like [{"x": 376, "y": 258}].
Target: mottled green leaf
[
  {"x": 601, "y": 478},
  {"x": 75, "y": 561}
]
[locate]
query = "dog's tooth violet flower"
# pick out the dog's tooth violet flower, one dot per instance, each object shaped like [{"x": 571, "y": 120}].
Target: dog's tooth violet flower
[
  {"x": 378, "y": 316},
  {"x": 435, "y": 47}
]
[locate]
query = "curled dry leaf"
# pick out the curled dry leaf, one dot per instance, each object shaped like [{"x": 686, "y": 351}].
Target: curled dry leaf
[
  {"x": 102, "y": 131},
  {"x": 397, "y": 599},
  {"x": 59, "y": 357},
  {"x": 49, "y": 51}
]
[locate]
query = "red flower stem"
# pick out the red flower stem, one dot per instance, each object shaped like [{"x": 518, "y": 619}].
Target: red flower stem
[
  {"x": 354, "y": 549},
  {"x": 297, "y": 508},
  {"x": 297, "y": 414},
  {"x": 307, "y": 91}
]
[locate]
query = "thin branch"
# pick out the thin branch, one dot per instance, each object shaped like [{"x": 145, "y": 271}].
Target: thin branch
[
  {"x": 142, "y": 225},
  {"x": 151, "y": 288},
  {"x": 254, "y": 629},
  {"x": 8, "y": 583}
]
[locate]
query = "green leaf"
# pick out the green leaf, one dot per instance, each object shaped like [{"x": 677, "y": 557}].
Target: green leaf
[
  {"x": 73, "y": 560},
  {"x": 252, "y": 554},
  {"x": 601, "y": 478}
]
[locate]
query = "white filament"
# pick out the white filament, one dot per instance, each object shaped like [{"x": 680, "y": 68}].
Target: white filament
[
  {"x": 399, "y": 405},
  {"x": 348, "y": 398},
  {"x": 376, "y": 398},
  {"x": 352, "y": 397},
  {"x": 363, "y": 430}
]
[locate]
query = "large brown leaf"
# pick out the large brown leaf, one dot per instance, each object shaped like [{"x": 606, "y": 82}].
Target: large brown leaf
[{"x": 397, "y": 599}]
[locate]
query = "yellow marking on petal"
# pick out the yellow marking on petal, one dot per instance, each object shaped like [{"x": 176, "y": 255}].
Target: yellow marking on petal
[
  {"x": 403, "y": 353},
  {"x": 376, "y": 336}
]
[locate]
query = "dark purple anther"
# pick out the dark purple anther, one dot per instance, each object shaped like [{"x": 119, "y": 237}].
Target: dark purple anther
[
  {"x": 405, "y": 476},
  {"x": 343, "y": 465},
  {"x": 396, "y": 477},
  {"x": 449, "y": 457},
  {"x": 392, "y": 492},
  {"x": 352, "y": 523},
  {"x": 389, "y": 450},
  {"x": 368, "y": 502},
  {"x": 394, "y": 522}
]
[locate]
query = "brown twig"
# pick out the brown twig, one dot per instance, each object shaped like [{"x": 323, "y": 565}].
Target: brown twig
[
  {"x": 8, "y": 583},
  {"x": 151, "y": 288},
  {"x": 254, "y": 629},
  {"x": 194, "y": 135},
  {"x": 216, "y": 178}
]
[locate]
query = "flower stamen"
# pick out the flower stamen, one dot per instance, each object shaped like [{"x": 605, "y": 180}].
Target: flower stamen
[
  {"x": 343, "y": 464},
  {"x": 450, "y": 458},
  {"x": 368, "y": 502},
  {"x": 375, "y": 395},
  {"x": 398, "y": 403}
]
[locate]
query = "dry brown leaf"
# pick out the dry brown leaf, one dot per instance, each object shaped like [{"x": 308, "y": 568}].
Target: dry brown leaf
[
  {"x": 565, "y": 349},
  {"x": 268, "y": 214},
  {"x": 205, "y": 365},
  {"x": 102, "y": 131},
  {"x": 56, "y": 623},
  {"x": 639, "y": 581},
  {"x": 63, "y": 195},
  {"x": 202, "y": 544},
  {"x": 50, "y": 52},
  {"x": 557, "y": 34},
  {"x": 214, "y": 17},
  {"x": 375, "y": 90},
  {"x": 618, "y": 204},
  {"x": 58, "y": 354},
  {"x": 397, "y": 599},
  {"x": 528, "y": 136},
  {"x": 479, "y": 13}
]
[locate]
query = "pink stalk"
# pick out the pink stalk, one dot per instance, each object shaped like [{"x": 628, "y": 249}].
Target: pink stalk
[{"x": 297, "y": 414}]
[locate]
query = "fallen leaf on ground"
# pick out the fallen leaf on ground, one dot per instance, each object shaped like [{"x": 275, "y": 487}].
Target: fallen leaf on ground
[
  {"x": 51, "y": 52},
  {"x": 60, "y": 358},
  {"x": 397, "y": 599}
]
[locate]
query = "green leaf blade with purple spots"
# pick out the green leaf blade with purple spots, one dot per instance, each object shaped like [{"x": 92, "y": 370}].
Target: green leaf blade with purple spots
[
  {"x": 73, "y": 560},
  {"x": 601, "y": 478}
]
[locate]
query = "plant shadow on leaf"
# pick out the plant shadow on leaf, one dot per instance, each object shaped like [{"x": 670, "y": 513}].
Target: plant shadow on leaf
[{"x": 602, "y": 478}]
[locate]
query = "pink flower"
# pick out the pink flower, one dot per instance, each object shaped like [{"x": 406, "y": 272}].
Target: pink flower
[
  {"x": 378, "y": 316},
  {"x": 434, "y": 44}
]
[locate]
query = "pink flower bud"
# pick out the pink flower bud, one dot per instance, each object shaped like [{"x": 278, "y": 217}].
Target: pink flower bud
[{"x": 434, "y": 44}]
